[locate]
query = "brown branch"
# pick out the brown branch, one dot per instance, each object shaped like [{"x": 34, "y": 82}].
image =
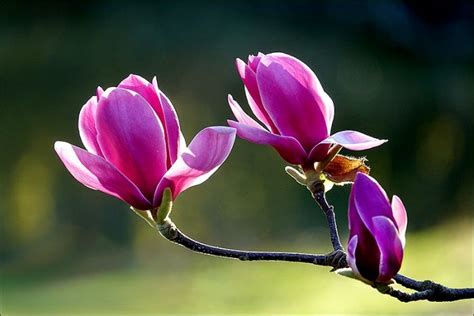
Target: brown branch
[{"x": 169, "y": 230}]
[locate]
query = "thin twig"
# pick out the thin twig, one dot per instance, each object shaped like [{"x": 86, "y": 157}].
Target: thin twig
[
  {"x": 408, "y": 282},
  {"x": 173, "y": 234},
  {"x": 319, "y": 195}
]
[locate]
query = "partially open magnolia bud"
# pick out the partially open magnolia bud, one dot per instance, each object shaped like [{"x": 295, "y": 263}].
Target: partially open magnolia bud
[
  {"x": 342, "y": 169},
  {"x": 377, "y": 228}
]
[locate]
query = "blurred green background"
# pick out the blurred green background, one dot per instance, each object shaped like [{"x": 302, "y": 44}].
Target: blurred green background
[{"x": 401, "y": 70}]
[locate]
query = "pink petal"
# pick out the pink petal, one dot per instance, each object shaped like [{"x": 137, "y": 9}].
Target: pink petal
[
  {"x": 96, "y": 173},
  {"x": 99, "y": 92},
  {"x": 319, "y": 152},
  {"x": 351, "y": 254},
  {"x": 288, "y": 147},
  {"x": 367, "y": 252},
  {"x": 182, "y": 143},
  {"x": 132, "y": 138},
  {"x": 294, "y": 99},
  {"x": 400, "y": 215},
  {"x": 204, "y": 155},
  {"x": 348, "y": 139},
  {"x": 353, "y": 140},
  {"x": 371, "y": 204},
  {"x": 391, "y": 248},
  {"x": 253, "y": 95},
  {"x": 370, "y": 200},
  {"x": 147, "y": 90},
  {"x": 172, "y": 129},
  {"x": 87, "y": 128},
  {"x": 253, "y": 61},
  {"x": 240, "y": 115},
  {"x": 163, "y": 108}
]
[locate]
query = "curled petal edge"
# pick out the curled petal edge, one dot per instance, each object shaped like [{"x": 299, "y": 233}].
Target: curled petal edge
[
  {"x": 204, "y": 155},
  {"x": 351, "y": 140},
  {"x": 390, "y": 246},
  {"x": 96, "y": 173},
  {"x": 400, "y": 216},
  {"x": 288, "y": 147}
]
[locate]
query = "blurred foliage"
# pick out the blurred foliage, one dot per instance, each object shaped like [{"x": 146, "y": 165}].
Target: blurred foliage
[{"x": 401, "y": 70}]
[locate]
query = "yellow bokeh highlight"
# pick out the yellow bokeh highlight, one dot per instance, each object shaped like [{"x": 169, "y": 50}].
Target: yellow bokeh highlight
[{"x": 31, "y": 198}]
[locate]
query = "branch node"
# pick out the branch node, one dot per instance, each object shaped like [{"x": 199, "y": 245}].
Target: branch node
[
  {"x": 337, "y": 259},
  {"x": 168, "y": 230}
]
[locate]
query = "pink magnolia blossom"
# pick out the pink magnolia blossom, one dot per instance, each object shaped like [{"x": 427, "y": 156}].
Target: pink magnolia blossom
[
  {"x": 297, "y": 114},
  {"x": 135, "y": 148},
  {"x": 376, "y": 231}
]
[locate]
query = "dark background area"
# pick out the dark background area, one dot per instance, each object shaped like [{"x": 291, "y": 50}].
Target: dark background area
[{"x": 401, "y": 70}]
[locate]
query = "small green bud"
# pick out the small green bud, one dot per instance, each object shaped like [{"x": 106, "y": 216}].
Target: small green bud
[
  {"x": 165, "y": 208},
  {"x": 296, "y": 174}
]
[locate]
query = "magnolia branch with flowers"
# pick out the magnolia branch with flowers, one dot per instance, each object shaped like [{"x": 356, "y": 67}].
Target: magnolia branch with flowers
[{"x": 135, "y": 151}]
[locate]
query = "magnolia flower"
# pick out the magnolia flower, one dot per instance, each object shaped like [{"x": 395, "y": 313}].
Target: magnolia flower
[
  {"x": 135, "y": 149},
  {"x": 297, "y": 114},
  {"x": 376, "y": 231}
]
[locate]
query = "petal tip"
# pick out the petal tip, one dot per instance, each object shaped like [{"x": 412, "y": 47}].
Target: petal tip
[
  {"x": 232, "y": 123},
  {"x": 222, "y": 129},
  {"x": 133, "y": 80},
  {"x": 240, "y": 65},
  {"x": 99, "y": 92},
  {"x": 360, "y": 176},
  {"x": 59, "y": 146}
]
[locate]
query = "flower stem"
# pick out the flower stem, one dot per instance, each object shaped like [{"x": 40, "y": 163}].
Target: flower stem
[{"x": 319, "y": 195}]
